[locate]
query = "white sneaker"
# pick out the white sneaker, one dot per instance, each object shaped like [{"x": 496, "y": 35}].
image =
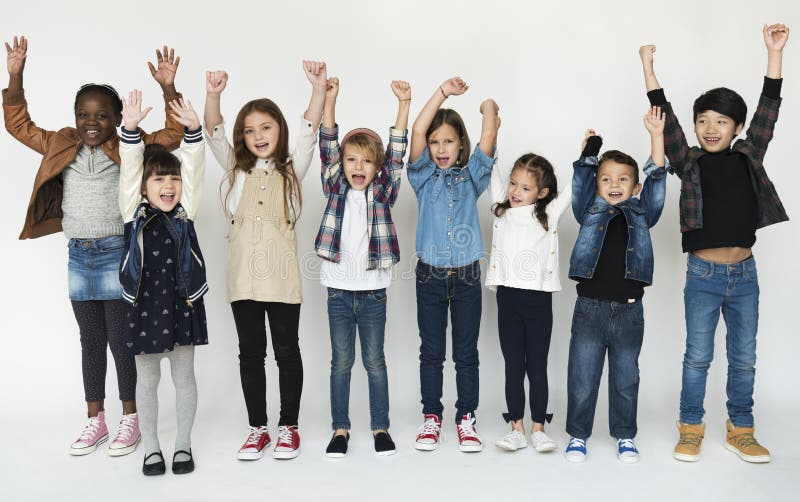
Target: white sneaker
[
  {"x": 468, "y": 439},
  {"x": 542, "y": 443},
  {"x": 626, "y": 451},
  {"x": 513, "y": 441},
  {"x": 429, "y": 434},
  {"x": 576, "y": 450}
]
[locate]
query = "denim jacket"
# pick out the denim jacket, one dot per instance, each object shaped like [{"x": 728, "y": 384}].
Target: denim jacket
[
  {"x": 192, "y": 278},
  {"x": 593, "y": 213}
]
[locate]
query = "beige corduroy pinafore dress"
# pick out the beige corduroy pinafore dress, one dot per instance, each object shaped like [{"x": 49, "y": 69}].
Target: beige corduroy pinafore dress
[{"x": 262, "y": 254}]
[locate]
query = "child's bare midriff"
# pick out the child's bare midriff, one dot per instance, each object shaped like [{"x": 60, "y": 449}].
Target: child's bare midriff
[{"x": 724, "y": 255}]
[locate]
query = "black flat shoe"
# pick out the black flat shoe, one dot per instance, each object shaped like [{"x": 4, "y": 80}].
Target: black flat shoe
[
  {"x": 337, "y": 448},
  {"x": 185, "y": 466},
  {"x": 156, "y": 468},
  {"x": 384, "y": 444}
]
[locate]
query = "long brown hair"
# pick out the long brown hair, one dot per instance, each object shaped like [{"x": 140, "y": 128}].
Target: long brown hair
[
  {"x": 542, "y": 171},
  {"x": 245, "y": 159}
]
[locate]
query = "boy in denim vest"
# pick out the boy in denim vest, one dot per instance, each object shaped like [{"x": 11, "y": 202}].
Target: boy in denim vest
[
  {"x": 725, "y": 196},
  {"x": 612, "y": 261}
]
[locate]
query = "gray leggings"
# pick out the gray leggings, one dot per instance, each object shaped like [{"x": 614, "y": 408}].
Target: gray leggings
[
  {"x": 100, "y": 325},
  {"x": 148, "y": 367}
]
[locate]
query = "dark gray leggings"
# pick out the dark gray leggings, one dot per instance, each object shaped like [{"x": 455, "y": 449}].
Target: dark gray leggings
[{"x": 100, "y": 324}]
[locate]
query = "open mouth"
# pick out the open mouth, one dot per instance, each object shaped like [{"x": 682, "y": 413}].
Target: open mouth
[
  {"x": 442, "y": 161},
  {"x": 711, "y": 140},
  {"x": 167, "y": 197},
  {"x": 262, "y": 147},
  {"x": 92, "y": 133},
  {"x": 614, "y": 195},
  {"x": 515, "y": 200},
  {"x": 359, "y": 179}
]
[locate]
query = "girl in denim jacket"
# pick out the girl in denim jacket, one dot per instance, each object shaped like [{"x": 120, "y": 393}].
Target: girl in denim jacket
[{"x": 448, "y": 181}]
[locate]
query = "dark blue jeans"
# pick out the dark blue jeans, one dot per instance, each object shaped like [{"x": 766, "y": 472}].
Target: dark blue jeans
[
  {"x": 365, "y": 310},
  {"x": 732, "y": 289},
  {"x": 598, "y": 326},
  {"x": 459, "y": 290}
]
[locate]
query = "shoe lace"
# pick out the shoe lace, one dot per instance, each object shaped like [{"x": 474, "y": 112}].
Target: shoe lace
[
  {"x": 626, "y": 443},
  {"x": 467, "y": 428},
  {"x": 285, "y": 435},
  {"x": 429, "y": 428},
  {"x": 125, "y": 429},
  {"x": 745, "y": 440},
  {"x": 690, "y": 438},
  {"x": 576, "y": 443},
  {"x": 255, "y": 436},
  {"x": 91, "y": 429}
]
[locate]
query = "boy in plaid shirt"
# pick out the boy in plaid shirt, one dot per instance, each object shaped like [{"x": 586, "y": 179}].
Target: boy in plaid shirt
[
  {"x": 725, "y": 196},
  {"x": 358, "y": 243}
]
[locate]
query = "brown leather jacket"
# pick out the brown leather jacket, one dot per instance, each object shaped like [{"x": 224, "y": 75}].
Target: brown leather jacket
[{"x": 59, "y": 149}]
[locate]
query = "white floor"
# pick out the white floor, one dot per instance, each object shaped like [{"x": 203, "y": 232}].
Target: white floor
[{"x": 35, "y": 465}]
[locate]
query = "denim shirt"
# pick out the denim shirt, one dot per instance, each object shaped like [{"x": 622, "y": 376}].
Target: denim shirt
[
  {"x": 448, "y": 231},
  {"x": 593, "y": 213}
]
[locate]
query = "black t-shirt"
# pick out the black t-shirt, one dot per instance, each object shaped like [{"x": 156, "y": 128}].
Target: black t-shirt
[
  {"x": 730, "y": 207},
  {"x": 609, "y": 282}
]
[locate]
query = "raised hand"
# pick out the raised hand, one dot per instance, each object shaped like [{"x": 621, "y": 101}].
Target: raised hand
[
  {"x": 184, "y": 114},
  {"x": 775, "y": 36},
  {"x": 167, "y": 67},
  {"x": 216, "y": 82},
  {"x": 588, "y": 134},
  {"x": 316, "y": 73},
  {"x": 489, "y": 106},
  {"x": 401, "y": 89},
  {"x": 646, "y": 53},
  {"x": 16, "y": 55},
  {"x": 453, "y": 87},
  {"x": 132, "y": 112},
  {"x": 332, "y": 88},
  {"x": 654, "y": 121}
]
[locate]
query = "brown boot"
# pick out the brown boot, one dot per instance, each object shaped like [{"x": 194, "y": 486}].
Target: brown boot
[
  {"x": 688, "y": 447},
  {"x": 742, "y": 442}
]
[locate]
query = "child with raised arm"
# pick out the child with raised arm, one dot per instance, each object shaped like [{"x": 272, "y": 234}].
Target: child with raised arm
[
  {"x": 263, "y": 200},
  {"x": 524, "y": 271},
  {"x": 358, "y": 243},
  {"x": 613, "y": 262},
  {"x": 75, "y": 190},
  {"x": 448, "y": 180},
  {"x": 162, "y": 273},
  {"x": 726, "y": 196}
]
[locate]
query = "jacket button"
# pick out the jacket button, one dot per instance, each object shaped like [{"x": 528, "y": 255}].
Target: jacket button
[
  {"x": 261, "y": 203},
  {"x": 610, "y": 211},
  {"x": 258, "y": 218},
  {"x": 232, "y": 222},
  {"x": 601, "y": 227},
  {"x": 594, "y": 250},
  {"x": 262, "y": 187}
]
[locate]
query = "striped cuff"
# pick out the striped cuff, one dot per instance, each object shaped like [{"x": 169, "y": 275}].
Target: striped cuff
[
  {"x": 130, "y": 137},
  {"x": 195, "y": 136}
]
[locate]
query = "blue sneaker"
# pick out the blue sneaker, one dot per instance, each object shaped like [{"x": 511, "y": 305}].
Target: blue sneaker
[
  {"x": 626, "y": 451},
  {"x": 576, "y": 450}
]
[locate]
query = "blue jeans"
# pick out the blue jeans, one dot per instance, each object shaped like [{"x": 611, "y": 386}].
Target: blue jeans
[
  {"x": 732, "y": 289},
  {"x": 367, "y": 311},
  {"x": 93, "y": 268},
  {"x": 598, "y": 325},
  {"x": 458, "y": 289}
]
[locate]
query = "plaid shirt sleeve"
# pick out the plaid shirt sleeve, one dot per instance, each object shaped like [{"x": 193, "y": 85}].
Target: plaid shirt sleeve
[
  {"x": 387, "y": 181},
  {"x": 675, "y": 146},
  {"x": 331, "y": 159},
  {"x": 762, "y": 125}
]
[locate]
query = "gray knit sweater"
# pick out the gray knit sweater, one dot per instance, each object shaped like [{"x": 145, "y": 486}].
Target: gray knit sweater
[{"x": 91, "y": 191}]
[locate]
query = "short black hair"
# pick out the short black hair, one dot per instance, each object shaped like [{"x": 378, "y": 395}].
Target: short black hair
[
  {"x": 107, "y": 90},
  {"x": 723, "y": 101},
  {"x": 621, "y": 158}
]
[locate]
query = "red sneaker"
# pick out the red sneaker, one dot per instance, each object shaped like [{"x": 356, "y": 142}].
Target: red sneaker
[
  {"x": 468, "y": 439},
  {"x": 429, "y": 434},
  {"x": 254, "y": 445},
  {"x": 288, "y": 445}
]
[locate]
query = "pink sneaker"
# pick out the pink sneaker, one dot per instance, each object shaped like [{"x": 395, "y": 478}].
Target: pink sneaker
[
  {"x": 288, "y": 445},
  {"x": 93, "y": 435},
  {"x": 127, "y": 438},
  {"x": 256, "y": 442},
  {"x": 429, "y": 434},
  {"x": 468, "y": 439}
]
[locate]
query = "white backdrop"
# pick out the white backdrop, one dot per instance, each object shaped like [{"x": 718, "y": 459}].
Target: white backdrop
[{"x": 555, "y": 69}]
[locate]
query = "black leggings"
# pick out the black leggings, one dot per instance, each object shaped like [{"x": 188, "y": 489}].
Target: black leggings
[
  {"x": 525, "y": 322},
  {"x": 100, "y": 325},
  {"x": 284, "y": 319}
]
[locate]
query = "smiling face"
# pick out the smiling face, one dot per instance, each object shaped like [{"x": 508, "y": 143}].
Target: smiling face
[
  {"x": 444, "y": 146},
  {"x": 163, "y": 191},
  {"x": 616, "y": 182},
  {"x": 714, "y": 131},
  {"x": 261, "y": 132},
  {"x": 95, "y": 118},
  {"x": 523, "y": 190},
  {"x": 359, "y": 166}
]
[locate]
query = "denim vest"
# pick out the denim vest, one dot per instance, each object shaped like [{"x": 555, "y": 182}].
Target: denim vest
[
  {"x": 191, "y": 267},
  {"x": 593, "y": 213}
]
